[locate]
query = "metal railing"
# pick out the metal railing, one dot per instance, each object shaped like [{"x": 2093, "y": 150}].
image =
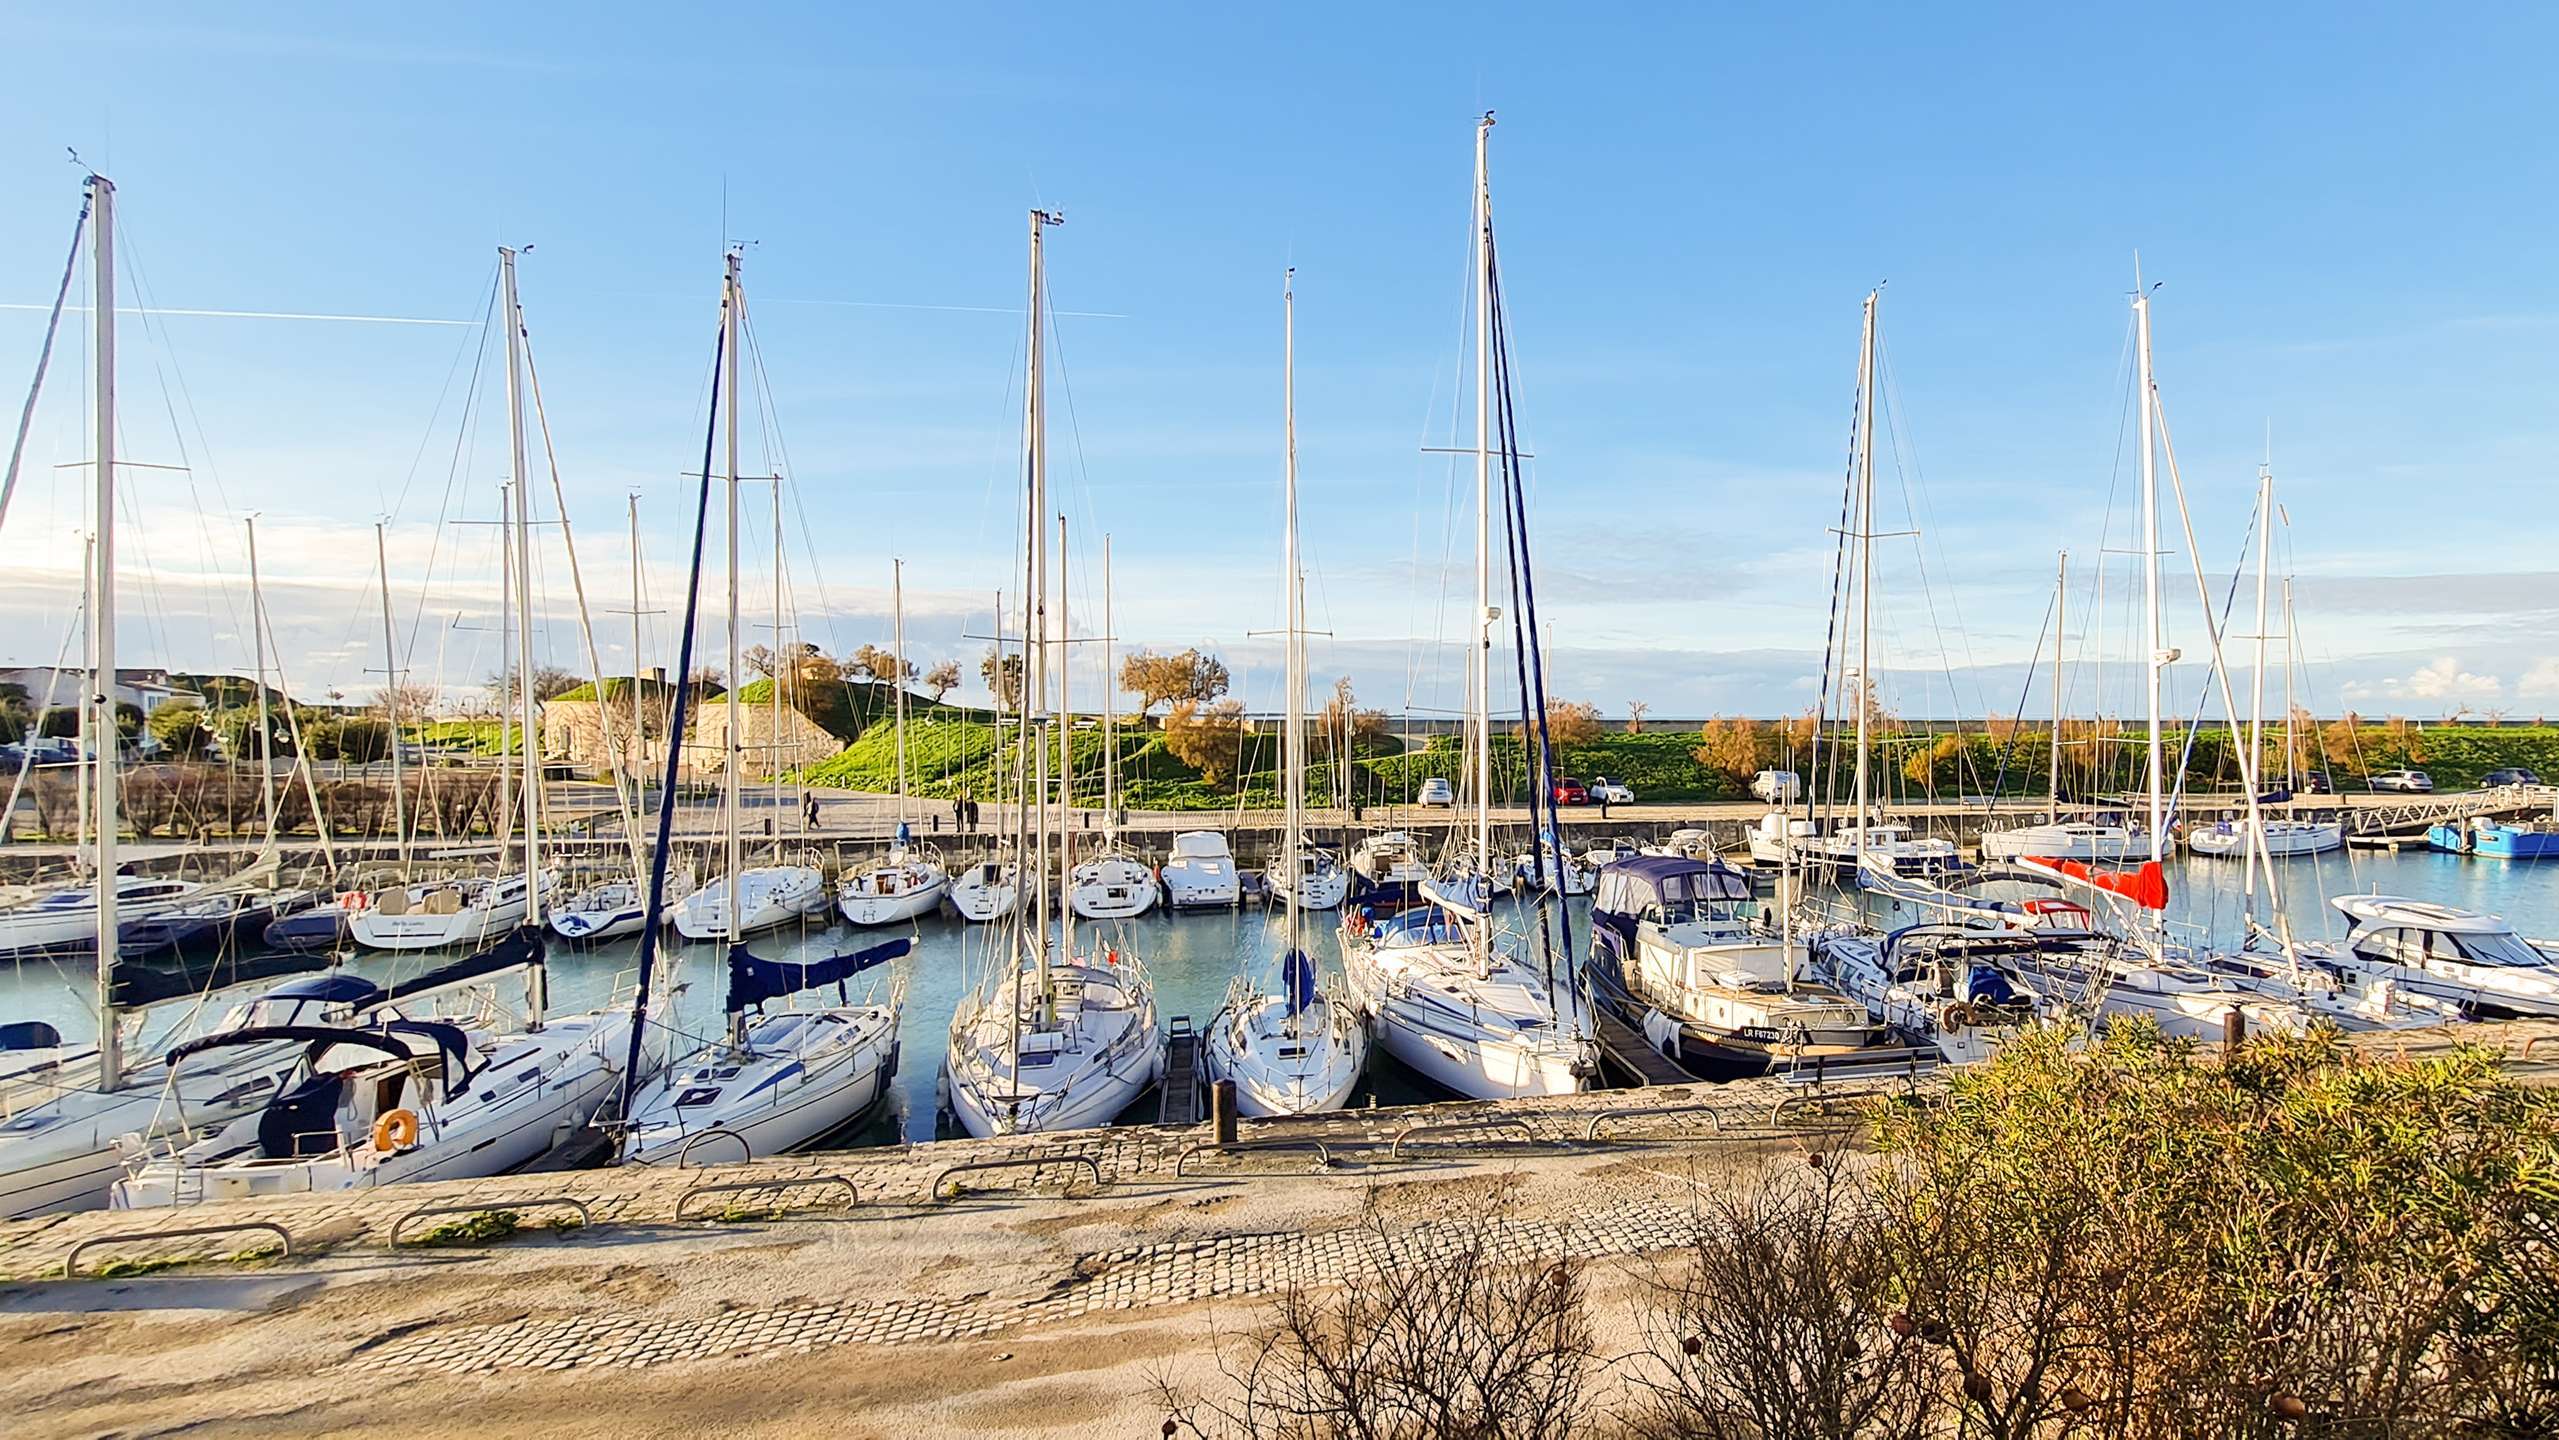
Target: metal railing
[
  {"x": 980, "y": 1166},
  {"x": 71, "y": 1262},
  {"x": 488, "y": 1207},
  {"x": 683, "y": 1152},
  {"x": 1323, "y": 1152},
  {"x": 1707, "y": 1108},
  {"x": 852, "y": 1193}
]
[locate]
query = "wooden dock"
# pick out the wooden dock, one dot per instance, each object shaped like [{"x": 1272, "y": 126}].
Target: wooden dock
[
  {"x": 1181, "y": 1103},
  {"x": 1626, "y": 1048}
]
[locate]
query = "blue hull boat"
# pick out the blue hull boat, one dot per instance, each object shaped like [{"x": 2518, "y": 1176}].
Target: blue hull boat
[{"x": 2496, "y": 840}]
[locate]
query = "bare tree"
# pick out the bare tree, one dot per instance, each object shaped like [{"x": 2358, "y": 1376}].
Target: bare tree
[{"x": 1636, "y": 710}]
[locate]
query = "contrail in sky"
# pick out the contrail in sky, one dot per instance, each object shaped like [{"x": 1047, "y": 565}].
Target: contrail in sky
[{"x": 257, "y": 315}]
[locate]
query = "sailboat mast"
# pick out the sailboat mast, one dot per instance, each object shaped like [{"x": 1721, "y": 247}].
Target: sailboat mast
[
  {"x": 391, "y": 702},
  {"x": 731, "y": 300},
  {"x": 2292, "y": 742},
  {"x": 1292, "y": 739},
  {"x": 1065, "y": 742},
  {"x": 103, "y": 735},
  {"x": 525, "y": 701},
  {"x": 781, "y": 659},
  {"x": 1864, "y": 695},
  {"x": 2061, "y": 605},
  {"x": 2256, "y": 764},
  {"x": 1110, "y": 713},
  {"x": 897, "y": 672},
  {"x": 2157, "y": 658},
  {"x": 1034, "y": 698},
  {"x": 639, "y": 738},
  {"x": 1480, "y": 709},
  {"x": 258, "y": 646}
]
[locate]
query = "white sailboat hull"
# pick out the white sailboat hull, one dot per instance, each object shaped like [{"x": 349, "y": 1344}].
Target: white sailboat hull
[
  {"x": 775, "y": 895},
  {"x": 2283, "y": 838},
  {"x": 1100, "y": 1052},
  {"x": 777, "y": 1101},
  {"x": 985, "y": 892}
]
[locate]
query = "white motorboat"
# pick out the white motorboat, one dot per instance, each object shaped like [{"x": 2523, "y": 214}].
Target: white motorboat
[
  {"x": 1609, "y": 851},
  {"x": 2283, "y": 837},
  {"x": 777, "y": 1080},
  {"x": 448, "y": 914},
  {"x": 1200, "y": 874},
  {"x": 66, "y": 920},
  {"x": 1688, "y": 842},
  {"x": 2467, "y": 958},
  {"x": 1568, "y": 872},
  {"x": 1112, "y": 886},
  {"x": 1678, "y": 947},
  {"x": 1316, "y": 882},
  {"x": 774, "y": 895},
  {"x": 905, "y": 883},
  {"x": 986, "y": 891},
  {"x": 2066, "y": 840},
  {"x": 1390, "y": 860},
  {"x": 1780, "y": 839}
]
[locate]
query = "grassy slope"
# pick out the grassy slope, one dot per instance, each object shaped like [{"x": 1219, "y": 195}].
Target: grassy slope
[{"x": 946, "y": 757}]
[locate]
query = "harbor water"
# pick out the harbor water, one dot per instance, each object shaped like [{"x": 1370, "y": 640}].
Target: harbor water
[{"x": 1193, "y": 957}]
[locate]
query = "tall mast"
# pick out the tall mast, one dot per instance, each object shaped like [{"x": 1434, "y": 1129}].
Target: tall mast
[
  {"x": 897, "y": 673},
  {"x": 391, "y": 696},
  {"x": 1110, "y": 714},
  {"x": 1034, "y": 696},
  {"x": 266, "y": 734},
  {"x": 781, "y": 657},
  {"x": 2255, "y": 765},
  {"x": 104, "y": 736},
  {"x": 1292, "y": 740},
  {"x": 2061, "y": 603},
  {"x": 730, "y": 301},
  {"x": 525, "y": 701},
  {"x": 507, "y": 788},
  {"x": 1480, "y": 709},
  {"x": 2292, "y": 762},
  {"x": 1864, "y": 694},
  {"x": 639, "y": 750},
  {"x": 1065, "y": 746},
  {"x": 2149, "y": 401}
]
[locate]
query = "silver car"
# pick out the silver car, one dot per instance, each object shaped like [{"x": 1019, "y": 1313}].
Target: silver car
[{"x": 1436, "y": 791}]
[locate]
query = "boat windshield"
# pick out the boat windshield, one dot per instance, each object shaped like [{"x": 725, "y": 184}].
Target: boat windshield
[{"x": 2504, "y": 949}]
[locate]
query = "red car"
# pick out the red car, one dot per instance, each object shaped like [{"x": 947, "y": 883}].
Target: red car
[{"x": 1569, "y": 791}]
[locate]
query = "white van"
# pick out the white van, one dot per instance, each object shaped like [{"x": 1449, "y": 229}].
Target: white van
[{"x": 1777, "y": 787}]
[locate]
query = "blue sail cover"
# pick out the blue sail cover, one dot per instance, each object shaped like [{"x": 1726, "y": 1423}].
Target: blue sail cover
[
  {"x": 1297, "y": 980},
  {"x": 754, "y": 980}
]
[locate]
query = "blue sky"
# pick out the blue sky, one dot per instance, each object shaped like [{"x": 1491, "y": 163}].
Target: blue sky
[{"x": 2349, "y": 208}]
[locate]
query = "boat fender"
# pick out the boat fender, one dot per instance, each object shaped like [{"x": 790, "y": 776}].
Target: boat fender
[
  {"x": 1359, "y": 922},
  {"x": 352, "y": 900},
  {"x": 397, "y": 1130},
  {"x": 1957, "y": 1016}
]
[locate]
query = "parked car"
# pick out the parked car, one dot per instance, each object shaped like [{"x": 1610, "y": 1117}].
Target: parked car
[
  {"x": 1604, "y": 791},
  {"x": 1569, "y": 791},
  {"x": 1777, "y": 786},
  {"x": 1436, "y": 791},
  {"x": 2517, "y": 776},
  {"x": 2405, "y": 782}
]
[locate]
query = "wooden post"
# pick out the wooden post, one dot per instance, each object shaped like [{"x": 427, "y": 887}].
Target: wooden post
[
  {"x": 2234, "y": 1031},
  {"x": 1221, "y": 1110}
]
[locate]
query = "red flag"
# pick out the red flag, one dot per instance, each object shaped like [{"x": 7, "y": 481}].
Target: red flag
[{"x": 2146, "y": 886}]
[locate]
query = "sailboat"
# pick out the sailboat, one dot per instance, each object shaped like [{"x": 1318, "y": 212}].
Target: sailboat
[
  {"x": 1114, "y": 884},
  {"x": 744, "y": 899},
  {"x": 1050, "y": 1038},
  {"x": 776, "y": 1079},
  {"x": 1442, "y": 990},
  {"x": 399, "y": 1098},
  {"x": 987, "y": 889},
  {"x": 1298, "y": 1047},
  {"x": 909, "y": 880}
]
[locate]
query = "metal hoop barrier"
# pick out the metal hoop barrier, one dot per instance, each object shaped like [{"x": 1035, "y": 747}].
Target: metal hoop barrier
[
  {"x": 1323, "y": 1152},
  {"x": 71, "y": 1262},
  {"x": 852, "y": 1195},
  {"x": 1816, "y": 1086},
  {"x": 1629, "y": 1112},
  {"x": 1452, "y": 1127},
  {"x": 684, "y": 1152},
  {"x": 1087, "y": 1161},
  {"x": 2534, "y": 1041},
  {"x": 486, "y": 1207}
]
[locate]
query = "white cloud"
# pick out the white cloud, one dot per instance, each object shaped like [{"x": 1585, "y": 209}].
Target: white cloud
[
  {"x": 2441, "y": 678},
  {"x": 2541, "y": 681}
]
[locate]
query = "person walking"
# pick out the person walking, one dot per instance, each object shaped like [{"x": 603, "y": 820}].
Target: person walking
[{"x": 811, "y": 812}]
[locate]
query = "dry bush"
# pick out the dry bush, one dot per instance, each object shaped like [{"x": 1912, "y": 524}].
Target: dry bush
[
  {"x": 1572, "y": 722},
  {"x": 1775, "y": 1325},
  {"x": 1461, "y": 1334}
]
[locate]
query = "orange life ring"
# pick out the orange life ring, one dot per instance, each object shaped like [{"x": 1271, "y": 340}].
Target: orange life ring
[{"x": 396, "y": 1130}]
